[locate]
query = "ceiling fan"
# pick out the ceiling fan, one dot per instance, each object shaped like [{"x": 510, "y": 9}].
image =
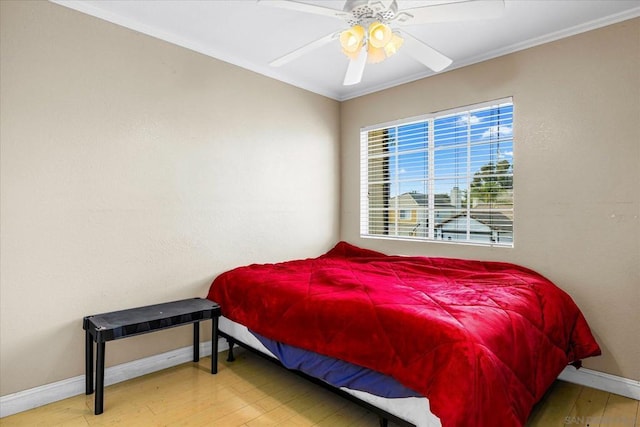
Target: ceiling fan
[{"x": 376, "y": 29}]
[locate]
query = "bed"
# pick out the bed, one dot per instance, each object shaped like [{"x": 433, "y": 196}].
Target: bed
[{"x": 478, "y": 343}]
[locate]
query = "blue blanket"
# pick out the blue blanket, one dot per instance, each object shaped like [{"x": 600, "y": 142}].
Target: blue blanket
[{"x": 336, "y": 372}]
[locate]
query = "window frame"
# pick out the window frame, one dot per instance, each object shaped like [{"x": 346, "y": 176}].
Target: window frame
[{"x": 431, "y": 177}]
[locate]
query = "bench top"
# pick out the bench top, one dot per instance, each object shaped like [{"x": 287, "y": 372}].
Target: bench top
[{"x": 134, "y": 321}]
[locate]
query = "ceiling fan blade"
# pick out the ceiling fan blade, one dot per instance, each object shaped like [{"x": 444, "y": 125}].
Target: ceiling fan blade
[
  {"x": 304, "y": 49},
  {"x": 468, "y": 10},
  {"x": 424, "y": 53},
  {"x": 304, "y": 7},
  {"x": 355, "y": 70}
]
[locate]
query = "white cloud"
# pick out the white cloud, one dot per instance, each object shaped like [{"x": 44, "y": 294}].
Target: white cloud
[
  {"x": 495, "y": 131},
  {"x": 466, "y": 119}
]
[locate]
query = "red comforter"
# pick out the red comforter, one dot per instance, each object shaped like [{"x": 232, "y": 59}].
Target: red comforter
[{"x": 482, "y": 340}]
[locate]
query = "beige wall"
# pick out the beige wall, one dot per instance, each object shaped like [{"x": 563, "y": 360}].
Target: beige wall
[
  {"x": 134, "y": 171},
  {"x": 577, "y": 171}
]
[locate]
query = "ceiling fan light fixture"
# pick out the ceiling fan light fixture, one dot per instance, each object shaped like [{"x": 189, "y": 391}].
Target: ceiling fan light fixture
[
  {"x": 375, "y": 54},
  {"x": 393, "y": 46},
  {"x": 352, "y": 40},
  {"x": 379, "y": 34}
]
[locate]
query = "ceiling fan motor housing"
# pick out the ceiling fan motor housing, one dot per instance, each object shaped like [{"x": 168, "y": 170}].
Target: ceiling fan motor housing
[{"x": 363, "y": 13}]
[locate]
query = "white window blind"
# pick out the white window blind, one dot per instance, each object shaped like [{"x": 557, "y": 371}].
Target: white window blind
[{"x": 446, "y": 176}]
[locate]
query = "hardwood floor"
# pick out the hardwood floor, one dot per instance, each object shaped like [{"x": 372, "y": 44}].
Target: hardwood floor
[{"x": 253, "y": 392}]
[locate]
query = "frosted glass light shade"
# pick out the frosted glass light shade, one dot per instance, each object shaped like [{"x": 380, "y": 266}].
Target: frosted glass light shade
[
  {"x": 351, "y": 41},
  {"x": 379, "y": 35}
]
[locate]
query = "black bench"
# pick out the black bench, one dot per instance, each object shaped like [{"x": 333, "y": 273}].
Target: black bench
[{"x": 116, "y": 325}]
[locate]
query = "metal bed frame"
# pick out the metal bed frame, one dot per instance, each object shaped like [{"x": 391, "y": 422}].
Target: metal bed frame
[{"x": 383, "y": 415}]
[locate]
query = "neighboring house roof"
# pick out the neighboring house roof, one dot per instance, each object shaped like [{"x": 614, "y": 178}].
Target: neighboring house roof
[
  {"x": 506, "y": 210},
  {"x": 492, "y": 219},
  {"x": 421, "y": 199},
  {"x": 441, "y": 200}
]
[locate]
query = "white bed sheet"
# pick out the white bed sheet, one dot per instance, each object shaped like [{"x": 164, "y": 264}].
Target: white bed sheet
[{"x": 413, "y": 409}]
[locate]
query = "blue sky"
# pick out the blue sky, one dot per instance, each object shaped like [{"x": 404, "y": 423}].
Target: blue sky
[{"x": 487, "y": 132}]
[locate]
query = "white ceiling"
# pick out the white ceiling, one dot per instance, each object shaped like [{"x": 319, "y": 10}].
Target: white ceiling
[{"x": 251, "y": 34}]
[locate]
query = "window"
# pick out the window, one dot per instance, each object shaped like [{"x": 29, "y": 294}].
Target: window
[{"x": 446, "y": 176}]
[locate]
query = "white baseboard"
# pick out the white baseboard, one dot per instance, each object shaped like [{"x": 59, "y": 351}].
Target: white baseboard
[
  {"x": 48, "y": 393},
  {"x": 601, "y": 381}
]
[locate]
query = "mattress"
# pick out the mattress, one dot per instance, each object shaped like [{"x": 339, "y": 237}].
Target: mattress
[{"x": 416, "y": 410}]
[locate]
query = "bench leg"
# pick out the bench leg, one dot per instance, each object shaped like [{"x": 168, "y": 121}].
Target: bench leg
[
  {"x": 88, "y": 363},
  {"x": 214, "y": 345},
  {"x": 196, "y": 341},
  {"x": 99, "y": 406}
]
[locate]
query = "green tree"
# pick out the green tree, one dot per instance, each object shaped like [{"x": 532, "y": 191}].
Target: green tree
[{"x": 493, "y": 183}]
